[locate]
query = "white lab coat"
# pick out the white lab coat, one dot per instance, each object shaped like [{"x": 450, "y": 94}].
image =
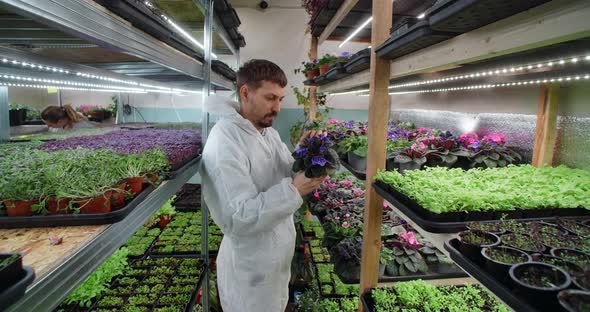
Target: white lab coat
[{"x": 248, "y": 188}]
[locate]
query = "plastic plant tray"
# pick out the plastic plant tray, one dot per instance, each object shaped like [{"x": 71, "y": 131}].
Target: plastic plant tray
[
  {"x": 490, "y": 282},
  {"x": 457, "y": 221},
  {"x": 361, "y": 175},
  {"x": 75, "y": 219},
  {"x": 415, "y": 38},
  {"x": 223, "y": 70},
  {"x": 359, "y": 62},
  {"x": 172, "y": 174},
  {"x": 13, "y": 293},
  {"x": 309, "y": 82},
  {"x": 460, "y": 16},
  {"x": 453, "y": 272},
  {"x": 337, "y": 72}
]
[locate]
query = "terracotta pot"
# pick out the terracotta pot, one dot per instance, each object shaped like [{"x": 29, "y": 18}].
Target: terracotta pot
[
  {"x": 135, "y": 185},
  {"x": 58, "y": 205},
  {"x": 100, "y": 204},
  {"x": 19, "y": 208},
  {"x": 163, "y": 221},
  {"x": 324, "y": 68},
  {"x": 152, "y": 177},
  {"x": 118, "y": 197},
  {"x": 312, "y": 73}
]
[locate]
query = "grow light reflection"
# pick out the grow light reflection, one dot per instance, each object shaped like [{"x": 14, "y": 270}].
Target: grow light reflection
[{"x": 356, "y": 31}]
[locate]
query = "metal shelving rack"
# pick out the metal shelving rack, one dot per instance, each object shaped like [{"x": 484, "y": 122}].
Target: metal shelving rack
[
  {"x": 554, "y": 22},
  {"x": 97, "y": 26}
]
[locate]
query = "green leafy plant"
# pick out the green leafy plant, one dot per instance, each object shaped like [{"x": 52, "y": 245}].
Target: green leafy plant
[
  {"x": 327, "y": 59},
  {"x": 98, "y": 281},
  {"x": 303, "y": 125},
  {"x": 180, "y": 299},
  {"x": 406, "y": 261}
]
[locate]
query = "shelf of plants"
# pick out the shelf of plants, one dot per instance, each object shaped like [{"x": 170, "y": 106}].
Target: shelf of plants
[
  {"x": 132, "y": 280},
  {"x": 336, "y": 240},
  {"x": 532, "y": 266},
  {"x": 70, "y": 266}
]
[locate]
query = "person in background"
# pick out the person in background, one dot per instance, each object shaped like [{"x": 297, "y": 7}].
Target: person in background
[
  {"x": 252, "y": 192},
  {"x": 64, "y": 118}
]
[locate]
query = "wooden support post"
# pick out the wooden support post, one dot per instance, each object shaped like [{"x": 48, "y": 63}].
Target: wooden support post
[
  {"x": 377, "y": 132},
  {"x": 313, "y": 54},
  {"x": 546, "y": 130}
]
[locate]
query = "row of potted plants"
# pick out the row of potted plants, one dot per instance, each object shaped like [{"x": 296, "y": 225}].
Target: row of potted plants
[
  {"x": 179, "y": 145},
  {"x": 536, "y": 260},
  {"x": 321, "y": 66},
  {"x": 75, "y": 181},
  {"x": 409, "y": 148},
  {"x": 97, "y": 113},
  {"x": 443, "y": 190}
]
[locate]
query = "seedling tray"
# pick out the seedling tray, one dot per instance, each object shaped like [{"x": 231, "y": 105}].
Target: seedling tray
[
  {"x": 457, "y": 221},
  {"x": 337, "y": 72},
  {"x": 309, "y": 82},
  {"x": 224, "y": 70},
  {"x": 361, "y": 175},
  {"x": 490, "y": 282},
  {"x": 142, "y": 281},
  {"x": 415, "y": 38},
  {"x": 461, "y": 16},
  {"x": 13, "y": 293},
  {"x": 359, "y": 62},
  {"x": 320, "y": 80},
  {"x": 453, "y": 272},
  {"x": 75, "y": 219},
  {"x": 172, "y": 174}
]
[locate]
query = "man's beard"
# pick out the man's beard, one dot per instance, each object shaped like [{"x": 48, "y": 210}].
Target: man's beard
[{"x": 264, "y": 124}]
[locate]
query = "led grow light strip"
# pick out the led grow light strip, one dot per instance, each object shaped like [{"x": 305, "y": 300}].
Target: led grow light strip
[
  {"x": 496, "y": 71},
  {"x": 356, "y": 31},
  {"x": 180, "y": 30},
  {"x": 96, "y": 86},
  {"x": 35, "y": 66},
  {"x": 61, "y": 87},
  {"x": 499, "y": 85}
]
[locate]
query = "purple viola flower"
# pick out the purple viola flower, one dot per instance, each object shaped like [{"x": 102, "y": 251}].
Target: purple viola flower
[
  {"x": 392, "y": 136},
  {"x": 348, "y": 124},
  {"x": 318, "y": 160},
  {"x": 475, "y": 146},
  {"x": 301, "y": 151},
  {"x": 315, "y": 61},
  {"x": 345, "y": 54},
  {"x": 323, "y": 149}
]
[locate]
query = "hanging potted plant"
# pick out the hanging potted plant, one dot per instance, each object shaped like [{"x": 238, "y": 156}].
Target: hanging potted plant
[{"x": 310, "y": 69}]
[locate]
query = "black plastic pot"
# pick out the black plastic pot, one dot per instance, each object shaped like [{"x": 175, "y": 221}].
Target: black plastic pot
[
  {"x": 574, "y": 300},
  {"x": 473, "y": 251},
  {"x": 409, "y": 166},
  {"x": 357, "y": 162},
  {"x": 12, "y": 272},
  {"x": 582, "y": 259},
  {"x": 572, "y": 269},
  {"x": 500, "y": 269},
  {"x": 17, "y": 117},
  {"x": 541, "y": 296},
  {"x": 574, "y": 227},
  {"x": 494, "y": 227}
]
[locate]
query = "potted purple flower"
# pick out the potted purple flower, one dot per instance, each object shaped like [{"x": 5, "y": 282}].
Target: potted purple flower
[{"x": 315, "y": 157}]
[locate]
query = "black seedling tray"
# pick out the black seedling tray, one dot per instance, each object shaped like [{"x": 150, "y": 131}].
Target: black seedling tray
[
  {"x": 224, "y": 70},
  {"x": 460, "y": 16},
  {"x": 337, "y": 72},
  {"x": 361, "y": 175},
  {"x": 457, "y": 221},
  {"x": 415, "y": 38},
  {"x": 13, "y": 293},
  {"x": 75, "y": 219},
  {"x": 188, "y": 198},
  {"x": 490, "y": 282},
  {"x": 359, "y": 62},
  {"x": 320, "y": 80},
  {"x": 172, "y": 174},
  {"x": 368, "y": 302},
  {"x": 458, "y": 273},
  {"x": 309, "y": 82},
  {"x": 12, "y": 272}
]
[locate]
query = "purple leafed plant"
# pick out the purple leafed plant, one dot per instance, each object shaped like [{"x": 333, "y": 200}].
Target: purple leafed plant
[
  {"x": 315, "y": 157},
  {"x": 180, "y": 145}
]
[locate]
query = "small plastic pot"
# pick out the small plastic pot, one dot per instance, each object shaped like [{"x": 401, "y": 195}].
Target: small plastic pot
[
  {"x": 574, "y": 300},
  {"x": 530, "y": 250},
  {"x": 574, "y": 227},
  {"x": 312, "y": 73},
  {"x": 135, "y": 185},
  {"x": 152, "y": 177},
  {"x": 486, "y": 227},
  {"x": 357, "y": 162},
  {"x": 118, "y": 196},
  {"x": 572, "y": 269},
  {"x": 581, "y": 259},
  {"x": 409, "y": 166},
  {"x": 541, "y": 296},
  {"x": 20, "y": 208},
  {"x": 58, "y": 205},
  {"x": 99, "y": 204},
  {"x": 324, "y": 68},
  {"x": 473, "y": 251},
  {"x": 498, "y": 268}
]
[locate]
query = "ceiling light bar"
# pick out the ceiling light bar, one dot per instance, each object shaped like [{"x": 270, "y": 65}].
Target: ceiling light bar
[
  {"x": 356, "y": 31},
  {"x": 495, "y": 72},
  {"x": 183, "y": 32},
  {"x": 62, "y": 87},
  {"x": 41, "y": 67}
]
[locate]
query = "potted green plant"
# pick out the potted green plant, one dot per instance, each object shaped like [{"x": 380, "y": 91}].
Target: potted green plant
[
  {"x": 325, "y": 62},
  {"x": 539, "y": 282},
  {"x": 309, "y": 69},
  {"x": 356, "y": 148},
  {"x": 17, "y": 114}
]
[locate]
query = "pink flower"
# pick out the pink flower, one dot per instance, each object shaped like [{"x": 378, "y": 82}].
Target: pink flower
[
  {"x": 385, "y": 205},
  {"x": 422, "y": 146},
  {"x": 424, "y": 130},
  {"x": 345, "y": 225},
  {"x": 346, "y": 183},
  {"x": 333, "y": 121},
  {"x": 413, "y": 146},
  {"x": 347, "y": 215},
  {"x": 316, "y": 194},
  {"x": 337, "y": 218},
  {"x": 358, "y": 192},
  {"x": 410, "y": 238}
]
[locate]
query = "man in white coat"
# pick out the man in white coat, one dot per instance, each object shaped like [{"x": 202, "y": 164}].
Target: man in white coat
[{"x": 252, "y": 194}]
